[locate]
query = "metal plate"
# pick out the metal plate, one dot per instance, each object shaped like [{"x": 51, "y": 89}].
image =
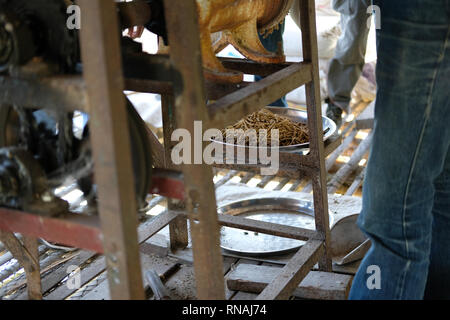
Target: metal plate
[
  {"x": 299, "y": 116},
  {"x": 284, "y": 211},
  {"x": 346, "y": 237}
]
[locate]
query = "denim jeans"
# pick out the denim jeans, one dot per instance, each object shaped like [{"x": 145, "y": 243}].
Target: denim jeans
[
  {"x": 271, "y": 43},
  {"x": 406, "y": 197}
]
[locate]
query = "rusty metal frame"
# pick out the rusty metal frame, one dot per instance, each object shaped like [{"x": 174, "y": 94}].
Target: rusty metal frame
[
  {"x": 179, "y": 79},
  {"x": 117, "y": 206},
  {"x": 191, "y": 106}
]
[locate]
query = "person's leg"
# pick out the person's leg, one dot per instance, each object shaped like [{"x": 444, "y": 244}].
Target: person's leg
[
  {"x": 438, "y": 282},
  {"x": 347, "y": 64},
  {"x": 274, "y": 43},
  {"x": 410, "y": 145}
]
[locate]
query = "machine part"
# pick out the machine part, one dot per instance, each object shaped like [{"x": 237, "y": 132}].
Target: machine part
[
  {"x": 348, "y": 243},
  {"x": 45, "y": 134},
  {"x": 49, "y": 138},
  {"x": 23, "y": 183},
  {"x": 283, "y": 211},
  {"x": 16, "y": 41},
  {"x": 37, "y": 28},
  {"x": 9, "y": 126},
  {"x": 159, "y": 290},
  {"x": 239, "y": 22},
  {"x": 141, "y": 154},
  {"x": 141, "y": 157},
  {"x": 21, "y": 177},
  {"x": 157, "y": 24}
]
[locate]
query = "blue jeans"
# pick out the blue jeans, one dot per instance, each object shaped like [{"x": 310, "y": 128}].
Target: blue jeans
[
  {"x": 406, "y": 197},
  {"x": 271, "y": 43}
]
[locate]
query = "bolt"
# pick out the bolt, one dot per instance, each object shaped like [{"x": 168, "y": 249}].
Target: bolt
[
  {"x": 9, "y": 27},
  {"x": 46, "y": 197}
]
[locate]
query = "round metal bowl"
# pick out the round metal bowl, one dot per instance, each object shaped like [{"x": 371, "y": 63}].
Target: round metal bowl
[
  {"x": 299, "y": 116},
  {"x": 283, "y": 211}
]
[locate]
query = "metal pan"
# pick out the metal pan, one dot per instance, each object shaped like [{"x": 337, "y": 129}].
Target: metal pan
[
  {"x": 284, "y": 211},
  {"x": 298, "y": 116},
  {"x": 348, "y": 243}
]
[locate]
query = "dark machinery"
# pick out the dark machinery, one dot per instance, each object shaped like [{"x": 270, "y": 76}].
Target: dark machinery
[
  {"x": 39, "y": 148},
  {"x": 38, "y": 30},
  {"x": 31, "y": 29}
]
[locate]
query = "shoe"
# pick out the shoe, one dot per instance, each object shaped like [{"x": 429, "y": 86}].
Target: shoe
[{"x": 334, "y": 113}]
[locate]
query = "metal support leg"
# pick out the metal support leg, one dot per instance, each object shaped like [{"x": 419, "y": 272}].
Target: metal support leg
[
  {"x": 310, "y": 54},
  {"x": 181, "y": 15},
  {"x": 27, "y": 255},
  {"x": 178, "y": 229},
  {"x": 111, "y": 147}
]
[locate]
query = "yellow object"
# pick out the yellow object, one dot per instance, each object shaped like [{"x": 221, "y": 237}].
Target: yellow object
[{"x": 237, "y": 22}]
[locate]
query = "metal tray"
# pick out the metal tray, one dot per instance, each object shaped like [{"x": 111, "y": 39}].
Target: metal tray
[
  {"x": 299, "y": 116},
  {"x": 284, "y": 211}
]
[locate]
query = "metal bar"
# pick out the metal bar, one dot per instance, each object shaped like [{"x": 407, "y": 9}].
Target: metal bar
[
  {"x": 77, "y": 230},
  {"x": 294, "y": 272},
  {"x": 190, "y": 106},
  {"x": 149, "y": 86},
  {"x": 214, "y": 91},
  {"x": 282, "y": 184},
  {"x": 71, "y": 230},
  {"x": 291, "y": 165},
  {"x": 146, "y": 66},
  {"x": 26, "y": 258},
  {"x": 251, "y": 67},
  {"x": 34, "y": 286},
  {"x": 295, "y": 185},
  {"x": 266, "y": 227},
  {"x": 226, "y": 178},
  {"x": 247, "y": 177},
  {"x": 156, "y": 225},
  {"x": 168, "y": 183},
  {"x": 27, "y": 255},
  {"x": 110, "y": 136},
  {"x": 273, "y": 229},
  {"x": 178, "y": 228},
  {"x": 356, "y": 183},
  {"x": 344, "y": 145},
  {"x": 345, "y": 171},
  {"x": 235, "y": 106},
  {"x": 264, "y": 181},
  {"x": 282, "y": 172},
  {"x": 134, "y": 13},
  {"x": 57, "y": 93},
  {"x": 310, "y": 54}
]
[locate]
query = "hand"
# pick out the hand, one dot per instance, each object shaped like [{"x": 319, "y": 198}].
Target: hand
[{"x": 135, "y": 32}]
